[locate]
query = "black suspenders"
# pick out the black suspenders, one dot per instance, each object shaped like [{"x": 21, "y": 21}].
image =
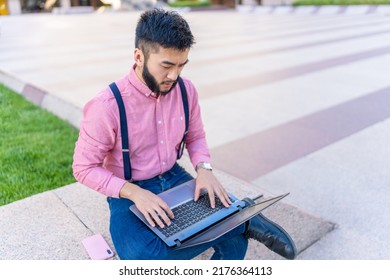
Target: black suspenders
[
  {"x": 186, "y": 116},
  {"x": 125, "y": 133}
]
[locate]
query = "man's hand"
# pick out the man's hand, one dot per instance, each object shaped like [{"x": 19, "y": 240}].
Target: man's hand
[
  {"x": 207, "y": 180},
  {"x": 150, "y": 205}
]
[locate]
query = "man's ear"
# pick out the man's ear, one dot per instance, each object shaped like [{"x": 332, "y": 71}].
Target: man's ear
[{"x": 139, "y": 57}]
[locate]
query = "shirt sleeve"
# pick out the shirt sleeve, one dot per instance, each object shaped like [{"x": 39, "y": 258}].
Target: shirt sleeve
[
  {"x": 97, "y": 137},
  {"x": 196, "y": 143}
]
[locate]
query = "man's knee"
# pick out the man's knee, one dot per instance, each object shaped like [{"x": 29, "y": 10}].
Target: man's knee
[{"x": 154, "y": 250}]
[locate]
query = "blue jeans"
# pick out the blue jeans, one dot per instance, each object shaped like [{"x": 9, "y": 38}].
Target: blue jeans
[{"x": 133, "y": 240}]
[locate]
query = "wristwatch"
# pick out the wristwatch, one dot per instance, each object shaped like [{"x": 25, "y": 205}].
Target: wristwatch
[{"x": 204, "y": 165}]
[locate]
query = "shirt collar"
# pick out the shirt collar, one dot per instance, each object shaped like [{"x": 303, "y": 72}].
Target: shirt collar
[{"x": 138, "y": 84}]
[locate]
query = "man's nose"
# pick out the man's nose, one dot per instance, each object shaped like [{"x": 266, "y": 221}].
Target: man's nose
[{"x": 173, "y": 74}]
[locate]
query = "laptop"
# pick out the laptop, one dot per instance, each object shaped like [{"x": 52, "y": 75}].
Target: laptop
[{"x": 196, "y": 222}]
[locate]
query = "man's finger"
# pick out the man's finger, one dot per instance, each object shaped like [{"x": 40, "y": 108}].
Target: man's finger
[
  {"x": 166, "y": 209},
  {"x": 157, "y": 218},
  {"x": 222, "y": 198},
  {"x": 197, "y": 193},
  {"x": 164, "y": 212},
  {"x": 163, "y": 215},
  {"x": 212, "y": 198},
  {"x": 226, "y": 199},
  {"x": 149, "y": 219},
  {"x": 169, "y": 212}
]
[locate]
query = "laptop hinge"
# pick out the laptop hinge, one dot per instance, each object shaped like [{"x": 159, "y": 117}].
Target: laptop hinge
[{"x": 178, "y": 243}]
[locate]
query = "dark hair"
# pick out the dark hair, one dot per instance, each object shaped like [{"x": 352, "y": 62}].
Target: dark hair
[{"x": 167, "y": 29}]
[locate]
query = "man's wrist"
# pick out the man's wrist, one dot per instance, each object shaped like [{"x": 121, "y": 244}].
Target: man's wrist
[
  {"x": 128, "y": 190},
  {"x": 204, "y": 165}
]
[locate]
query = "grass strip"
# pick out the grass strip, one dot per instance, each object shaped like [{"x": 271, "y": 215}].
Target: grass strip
[{"x": 36, "y": 148}]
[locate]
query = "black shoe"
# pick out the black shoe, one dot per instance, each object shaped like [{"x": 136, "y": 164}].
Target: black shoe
[{"x": 273, "y": 236}]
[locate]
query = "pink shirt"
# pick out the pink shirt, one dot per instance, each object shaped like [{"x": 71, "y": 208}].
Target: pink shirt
[{"x": 155, "y": 125}]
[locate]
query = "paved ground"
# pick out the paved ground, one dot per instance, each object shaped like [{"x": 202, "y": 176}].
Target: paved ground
[{"x": 292, "y": 102}]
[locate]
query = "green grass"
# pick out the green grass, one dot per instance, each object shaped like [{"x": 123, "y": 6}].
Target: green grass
[
  {"x": 340, "y": 2},
  {"x": 190, "y": 3},
  {"x": 36, "y": 149}
]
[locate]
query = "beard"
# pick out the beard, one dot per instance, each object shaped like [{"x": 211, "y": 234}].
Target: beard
[{"x": 152, "y": 83}]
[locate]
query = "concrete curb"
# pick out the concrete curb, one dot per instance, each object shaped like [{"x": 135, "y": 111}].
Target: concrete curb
[{"x": 43, "y": 99}]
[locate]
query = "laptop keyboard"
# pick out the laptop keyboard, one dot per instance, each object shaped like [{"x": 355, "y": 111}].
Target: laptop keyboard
[{"x": 190, "y": 213}]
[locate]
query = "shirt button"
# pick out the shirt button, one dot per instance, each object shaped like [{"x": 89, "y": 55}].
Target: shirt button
[
  {"x": 161, "y": 142},
  {"x": 159, "y": 122},
  {"x": 163, "y": 162}
]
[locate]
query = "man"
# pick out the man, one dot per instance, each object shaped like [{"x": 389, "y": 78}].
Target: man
[{"x": 156, "y": 123}]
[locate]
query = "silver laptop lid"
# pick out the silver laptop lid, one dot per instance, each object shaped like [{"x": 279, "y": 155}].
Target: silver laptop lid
[{"x": 231, "y": 222}]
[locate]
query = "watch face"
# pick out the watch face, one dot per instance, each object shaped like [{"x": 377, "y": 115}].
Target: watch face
[{"x": 206, "y": 165}]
